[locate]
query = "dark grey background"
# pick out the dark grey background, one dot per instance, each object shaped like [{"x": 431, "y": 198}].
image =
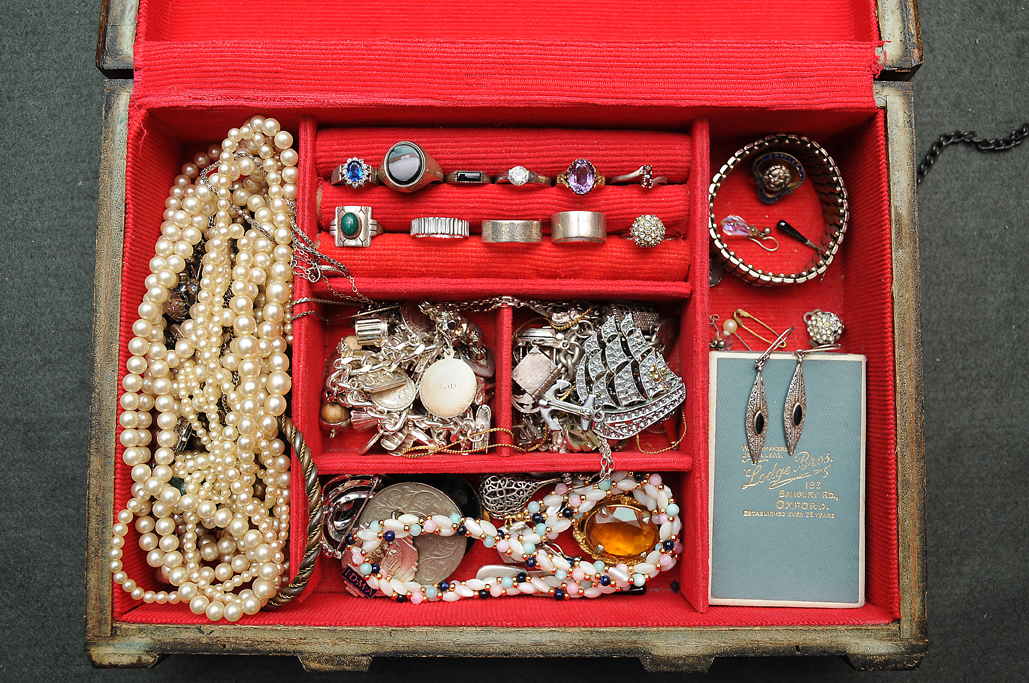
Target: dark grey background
[{"x": 974, "y": 239}]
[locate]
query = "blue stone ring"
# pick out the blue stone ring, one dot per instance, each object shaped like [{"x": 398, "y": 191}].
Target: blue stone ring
[{"x": 354, "y": 173}]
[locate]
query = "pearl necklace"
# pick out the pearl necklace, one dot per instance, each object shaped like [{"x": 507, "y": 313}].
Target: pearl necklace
[
  {"x": 557, "y": 575},
  {"x": 214, "y": 523}
]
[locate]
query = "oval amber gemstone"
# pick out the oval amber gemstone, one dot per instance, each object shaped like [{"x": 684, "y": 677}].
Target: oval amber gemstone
[{"x": 620, "y": 531}]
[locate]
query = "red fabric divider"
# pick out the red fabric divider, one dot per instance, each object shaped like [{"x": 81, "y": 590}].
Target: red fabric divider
[
  {"x": 614, "y": 21},
  {"x": 445, "y": 289},
  {"x": 342, "y": 73},
  {"x": 620, "y": 205},
  {"x": 496, "y": 150},
  {"x": 405, "y": 257}
]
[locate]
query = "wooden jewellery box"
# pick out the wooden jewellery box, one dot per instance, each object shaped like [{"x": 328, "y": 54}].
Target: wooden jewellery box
[{"x": 680, "y": 86}]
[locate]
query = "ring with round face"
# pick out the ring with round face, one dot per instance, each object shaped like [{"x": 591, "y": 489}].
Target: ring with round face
[
  {"x": 467, "y": 178},
  {"x": 644, "y": 174},
  {"x": 503, "y": 231},
  {"x": 578, "y": 226},
  {"x": 354, "y": 226},
  {"x": 406, "y": 168},
  {"x": 581, "y": 177},
  {"x": 647, "y": 231},
  {"x": 776, "y": 175},
  {"x": 435, "y": 226},
  {"x": 354, "y": 173},
  {"x": 519, "y": 175}
]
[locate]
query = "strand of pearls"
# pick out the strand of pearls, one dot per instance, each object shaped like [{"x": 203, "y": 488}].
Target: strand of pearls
[
  {"x": 558, "y": 576},
  {"x": 214, "y": 523}
]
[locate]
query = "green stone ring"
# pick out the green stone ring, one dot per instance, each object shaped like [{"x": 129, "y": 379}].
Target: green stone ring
[{"x": 354, "y": 226}]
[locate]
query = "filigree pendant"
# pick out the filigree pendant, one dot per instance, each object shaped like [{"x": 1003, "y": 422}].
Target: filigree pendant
[
  {"x": 796, "y": 408},
  {"x": 757, "y": 417}
]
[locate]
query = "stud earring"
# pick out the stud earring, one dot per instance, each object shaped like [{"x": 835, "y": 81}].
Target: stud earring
[
  {"x": 824, "y": 327},
  {"x": 795, "y": 410},
  {"x": 757, "y": 405},
  {"x": 735, "y": 226}
]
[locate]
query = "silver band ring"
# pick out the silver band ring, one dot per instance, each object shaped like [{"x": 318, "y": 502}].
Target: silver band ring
[
  {"x": 467, "y": 178},
  {"x": 502, "y": 231},
  {"x": 578, "y": 226},
  {"x": 644, "y": 174},
  {"x": 354, "y": 226},
  {"x": 434, "y": 226},
  {"x": 407, "y": 167},
  {"x": 519, "y": 175},
  {"x": 354, "y": 173}
]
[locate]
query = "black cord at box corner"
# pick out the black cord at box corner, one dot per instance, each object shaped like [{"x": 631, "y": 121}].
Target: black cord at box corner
[{"x": 982, "y": 144}]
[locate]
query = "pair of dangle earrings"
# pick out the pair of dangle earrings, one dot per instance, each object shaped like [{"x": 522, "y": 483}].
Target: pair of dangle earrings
[{"x": 795, "y": 410}]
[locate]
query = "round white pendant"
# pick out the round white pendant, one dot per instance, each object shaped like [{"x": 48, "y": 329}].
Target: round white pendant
[{"x": 448, "y": 387}]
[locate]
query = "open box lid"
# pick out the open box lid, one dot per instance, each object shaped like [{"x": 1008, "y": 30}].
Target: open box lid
[{"x": 813, "y": 53}]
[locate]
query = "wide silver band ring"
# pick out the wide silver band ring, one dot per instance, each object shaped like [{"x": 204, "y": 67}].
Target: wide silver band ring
[
  {"x": 351, "y": 236},
  {"x": 503, "y": 231},
  {"x": 578, "y": 226},
  {"x": 354, "y": 173},
  {"x": 468, "y": 178},
  {"x": 519, "y": 175},
  {"x": 406, "y": 167},
  {"x": 435, "y": 226},
  {"x": 644, "y": 175}
]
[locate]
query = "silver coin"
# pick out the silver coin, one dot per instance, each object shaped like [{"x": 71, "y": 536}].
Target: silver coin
[
  {"x": 438, "y": 556},
  {"x": 397, "y": 398}
]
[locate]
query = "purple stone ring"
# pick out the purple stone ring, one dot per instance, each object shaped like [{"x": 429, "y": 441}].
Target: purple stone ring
[{"x": 581, "y": 177}]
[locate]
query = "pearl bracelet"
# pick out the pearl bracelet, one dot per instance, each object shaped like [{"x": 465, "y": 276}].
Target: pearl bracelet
[{"x": 554, "y": 573}]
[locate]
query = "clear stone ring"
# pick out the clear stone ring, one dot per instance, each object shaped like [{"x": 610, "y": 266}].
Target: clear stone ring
[{"x": 519, "y": 175}]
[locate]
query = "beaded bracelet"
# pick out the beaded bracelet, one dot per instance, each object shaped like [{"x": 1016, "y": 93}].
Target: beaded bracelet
[
  {"x": 825, "y": 176},
  {"x": 557, "y": 575}
]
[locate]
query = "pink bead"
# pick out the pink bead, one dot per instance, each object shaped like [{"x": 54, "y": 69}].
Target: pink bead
[
  {"x": 429, "y": 526},
  {"x": 655, "y": 479},
  {"x": 678, "y": 547},
  {"x": 572, "y": 588},
  {"x": 496, "y": 590},
  {"x": 502, "y": 545},
  {"x": 574, "y": 500},
  {"x": 578, "y": 574},
  {"x": 665, "y": 561},
  {"x": 623, "y": 567},
  {"x": 416, "y": 598},
  {"x": 561, "y": 489},
  {"x": 662, "y": 518}
]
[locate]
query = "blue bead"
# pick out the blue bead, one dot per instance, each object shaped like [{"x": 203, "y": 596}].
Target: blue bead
[
  {"x": 598, "y": 565},
  {"x": 568, "y": 513},
  {"x": 605, "y": 580},
  {"x": 375, "y": 526},
  {"x": 561, "y": 574},
  {"x": 672, "y": 509},
  {"x": 455, "y": 518},
  {"x": 350, "y": 539},
  {"x": 366, "y": 569},
  {"x": 444, "y": 586},
  {"x": 559, "y": 594},
  {"x": 668, "y": 545},
  {"x": 604, "y": 485},
  {"x": 375, "y": 568},
  {"x": 401, "y": 598},
  {"x": 389, "y": 537},
  {"x": 416, "y": 529},
  {"x": 506, "y": 582},
  {"x": 462, "y": 530},
  {"x": 638, "y": 579},
  {"x": 534, "y": 507},
  {"x": 529, "y": 548},
  {"x": 489, "y": 541},
  {"x": 522, "y": 577},
  {"x": 430, "y": 592},
  {"x": 537, "y": 518},
  {"x": 483, "y": 594},
  {"x": 530, "y": 562},
  {"x": 541, "y": 529}
]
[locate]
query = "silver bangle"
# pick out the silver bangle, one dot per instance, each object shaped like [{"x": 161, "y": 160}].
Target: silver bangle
[
  {"x": 578, "y": 226},
  {"x": 519, "y": 175},
  {"x": 354, "y": 173},
  {"x": 644, "y": 174},
  {"x": 358, "y": 226},
  {"x": 501, "y": 231},
  {"x": 467, "y": 178},
  {"x": 434, "y": 226}
]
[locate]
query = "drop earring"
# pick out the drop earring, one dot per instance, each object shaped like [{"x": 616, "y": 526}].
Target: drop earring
[
  {"x": 757, "y": 405},
  {"x": 795, "y": 410}
]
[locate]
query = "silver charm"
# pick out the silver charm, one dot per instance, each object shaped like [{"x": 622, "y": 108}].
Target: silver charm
[
  {"x": 757, "y": 405},
  {"x": 506, "y": 495},
  {"x": 795, "y": 410}
]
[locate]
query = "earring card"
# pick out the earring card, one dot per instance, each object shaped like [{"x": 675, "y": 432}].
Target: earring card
[{"x": 788, "y": 531}]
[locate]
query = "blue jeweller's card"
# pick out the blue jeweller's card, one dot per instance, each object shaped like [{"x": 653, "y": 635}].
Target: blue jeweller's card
[{"x": 789, "y": 530}]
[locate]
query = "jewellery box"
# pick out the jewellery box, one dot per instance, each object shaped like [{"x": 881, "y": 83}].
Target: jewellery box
[{"x": 680, "y": 86}]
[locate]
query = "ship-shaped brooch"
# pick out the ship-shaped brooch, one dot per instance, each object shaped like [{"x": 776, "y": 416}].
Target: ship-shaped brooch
[{"x": 623, "y": 383}]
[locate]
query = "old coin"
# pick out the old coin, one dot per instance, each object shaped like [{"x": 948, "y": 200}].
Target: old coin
[
  {"x": 397, "y": 398},
  {"x": 438, "y": 556},
  {"x": 448, "y": 387}
]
